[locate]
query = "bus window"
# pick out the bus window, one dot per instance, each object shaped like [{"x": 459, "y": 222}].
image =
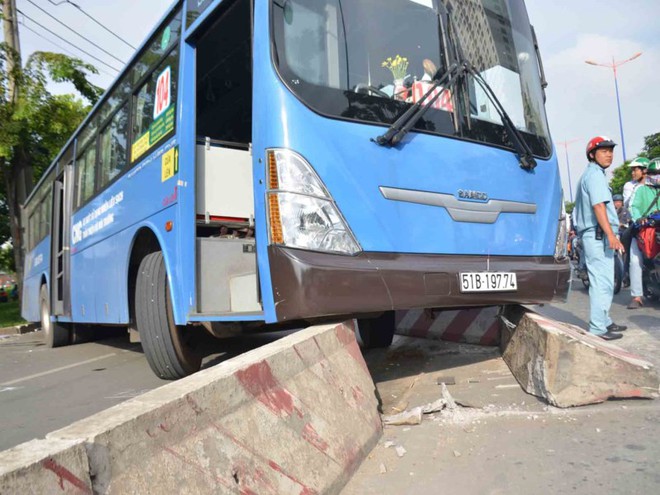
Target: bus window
[
  {"x": 34, "y": 228},
  {"x": 154, "y": 107},
  {"x": 86, "y": 172},
  {"x": 118, "y": 96},
  {"x": 46, "y": 205},
  {"x": 163, "y": 41},
  {"x": 88, "y": 133},
  {"x": 113, "y": 146}
]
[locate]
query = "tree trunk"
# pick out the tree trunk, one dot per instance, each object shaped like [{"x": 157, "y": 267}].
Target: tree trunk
[{"x": 17, "y": 176}]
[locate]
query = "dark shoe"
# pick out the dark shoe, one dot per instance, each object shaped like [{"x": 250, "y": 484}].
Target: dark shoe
[
  {"x": 616, "y": 328},
  {"x": 609, "y": 335},
  {"x": 636, "y": 303}
]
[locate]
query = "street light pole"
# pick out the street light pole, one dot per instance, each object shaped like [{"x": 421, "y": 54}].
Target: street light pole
[
  {"x": 568, "y": 165},
  {"x": 614, "y": 65}
]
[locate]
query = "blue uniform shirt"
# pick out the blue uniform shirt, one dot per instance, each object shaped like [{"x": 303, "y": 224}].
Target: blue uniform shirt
[{"x": 593, "y": 189}]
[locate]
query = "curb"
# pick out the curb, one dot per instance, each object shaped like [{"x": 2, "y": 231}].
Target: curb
[
  {"x": 297, "y": 416},
  {"x": 20, "y": 329}
]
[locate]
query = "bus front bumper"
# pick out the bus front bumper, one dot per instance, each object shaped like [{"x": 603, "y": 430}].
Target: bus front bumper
[{"x": 309, "y": 284}]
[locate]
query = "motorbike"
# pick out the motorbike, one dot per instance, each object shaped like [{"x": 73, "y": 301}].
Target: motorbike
[
  {"x": 577, "y": 254},
  {"x": 651, "y": 268}
]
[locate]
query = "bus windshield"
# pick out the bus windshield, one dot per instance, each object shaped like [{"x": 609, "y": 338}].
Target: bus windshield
[{"x": 369, "y": 60}]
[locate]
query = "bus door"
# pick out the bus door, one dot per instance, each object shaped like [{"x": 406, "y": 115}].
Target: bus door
[{"x": 61, "y": 242}]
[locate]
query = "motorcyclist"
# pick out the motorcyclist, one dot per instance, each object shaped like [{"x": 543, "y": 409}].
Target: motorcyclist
[
  {"x": 637, "y": 170},
  {"x": 644, "y": 202},
  {"x": 622, "y": 212}
]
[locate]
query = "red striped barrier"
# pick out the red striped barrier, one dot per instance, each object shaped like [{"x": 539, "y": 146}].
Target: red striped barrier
[{"x": 470, "y": 326}]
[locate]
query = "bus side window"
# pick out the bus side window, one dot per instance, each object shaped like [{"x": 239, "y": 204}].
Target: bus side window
[
  {"x": 153, "y": 106},
  {"x": 86, "y": 173},
  {"x": 44, "y": 228},
  {"x": 34, "y": 225},
  {"x": 114, "y": 146}
]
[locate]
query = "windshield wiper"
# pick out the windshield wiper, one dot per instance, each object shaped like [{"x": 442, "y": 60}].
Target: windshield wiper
[
  {"x": 401, "y": 126},
  {"x": 522, "y": 149}
]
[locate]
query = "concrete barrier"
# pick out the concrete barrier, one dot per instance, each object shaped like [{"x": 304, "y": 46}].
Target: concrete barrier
[
  {"x": 568, "y": 366},
  {"x": 294, "y": 417},
  {"x": 44, "y": 467}
]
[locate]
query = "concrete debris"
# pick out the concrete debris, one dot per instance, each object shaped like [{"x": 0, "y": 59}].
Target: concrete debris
[
  {"x": 400, "y": 451},
  {"x": 383, "y": 469},
  {"x": 414, "y": 416},
  {"x": 410, "y": 417},
  {"x": 451, "y": 404},
  {"x": 457, "y": 453},
  {"x": 433, "y": 407},
  {"x": 389, "y": 444}
]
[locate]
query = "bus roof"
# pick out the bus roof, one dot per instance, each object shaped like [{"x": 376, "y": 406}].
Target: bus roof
[{"x": 103, "y": 98}]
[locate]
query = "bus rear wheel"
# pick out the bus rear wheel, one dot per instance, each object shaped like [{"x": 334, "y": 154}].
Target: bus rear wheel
[
  {"x": 55, "y": 335},
  {"x": 169, "y": 348},
  {"x": 377, "y": 332}
]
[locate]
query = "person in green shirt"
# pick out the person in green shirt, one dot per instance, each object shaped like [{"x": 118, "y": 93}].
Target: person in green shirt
[{"x": 643, "y": 202}]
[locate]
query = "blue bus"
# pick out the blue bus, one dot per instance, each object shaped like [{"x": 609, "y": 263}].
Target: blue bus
[{"x": 269, "y": 161}]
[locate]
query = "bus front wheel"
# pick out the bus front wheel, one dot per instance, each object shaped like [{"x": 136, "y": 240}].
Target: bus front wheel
[
  {"x": 377, "y": 332},
  {"x": 55, "y": 335},
  {"x": 169, "y": 348}
]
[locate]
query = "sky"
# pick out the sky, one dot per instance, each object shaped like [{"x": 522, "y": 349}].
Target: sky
[{"x": 581, "y": 100}]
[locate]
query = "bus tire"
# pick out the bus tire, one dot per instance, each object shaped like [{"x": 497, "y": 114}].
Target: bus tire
[
  {"x": 377, "y": 332},
  {"x": 168, "y": 347},
  {"x": 55, "y": 334}
]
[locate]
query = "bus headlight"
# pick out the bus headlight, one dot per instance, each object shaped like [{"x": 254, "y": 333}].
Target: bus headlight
[
  {"x": 301, "y": 212},
  {"x": 562, "y": 233}
]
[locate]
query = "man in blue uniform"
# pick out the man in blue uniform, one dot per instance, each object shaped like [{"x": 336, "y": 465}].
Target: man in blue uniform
[{"x": 596, "y": 222}]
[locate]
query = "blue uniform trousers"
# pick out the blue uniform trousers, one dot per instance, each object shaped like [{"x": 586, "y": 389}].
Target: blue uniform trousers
[{"x": 600, "y": 266}]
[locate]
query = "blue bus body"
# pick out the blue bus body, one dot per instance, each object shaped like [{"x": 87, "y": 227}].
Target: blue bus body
[{"x": 420, "y": 212}]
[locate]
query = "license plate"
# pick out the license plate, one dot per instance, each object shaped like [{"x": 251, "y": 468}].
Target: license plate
[{"x": 488, "y": 282}]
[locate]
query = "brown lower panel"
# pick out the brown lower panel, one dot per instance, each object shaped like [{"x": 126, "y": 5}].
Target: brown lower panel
[{"x": 308, "y": 284}]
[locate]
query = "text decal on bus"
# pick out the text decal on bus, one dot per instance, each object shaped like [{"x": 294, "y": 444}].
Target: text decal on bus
[{"x": 163, "y": 93}]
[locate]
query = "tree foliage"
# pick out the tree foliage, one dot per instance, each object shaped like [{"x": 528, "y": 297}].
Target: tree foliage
[
  {"x": 621, "y": 175},
  {"x": 7, "y": 258},
  {"x": 34, "y": 125},
  {"x": 651, "y": 146}
]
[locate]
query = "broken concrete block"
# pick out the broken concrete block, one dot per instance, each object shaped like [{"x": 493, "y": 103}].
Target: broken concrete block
[
  {"x": 411, "y": 417},
  {"x": 568, "y": 367}
]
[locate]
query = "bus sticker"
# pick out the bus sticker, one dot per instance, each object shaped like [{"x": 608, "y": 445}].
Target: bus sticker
[
  {"x": 170, "y": 163},
  {"x": 161, "y": 126},
  {"x": 163, "y": 92},
  {"x": 158, "y": 129}
]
